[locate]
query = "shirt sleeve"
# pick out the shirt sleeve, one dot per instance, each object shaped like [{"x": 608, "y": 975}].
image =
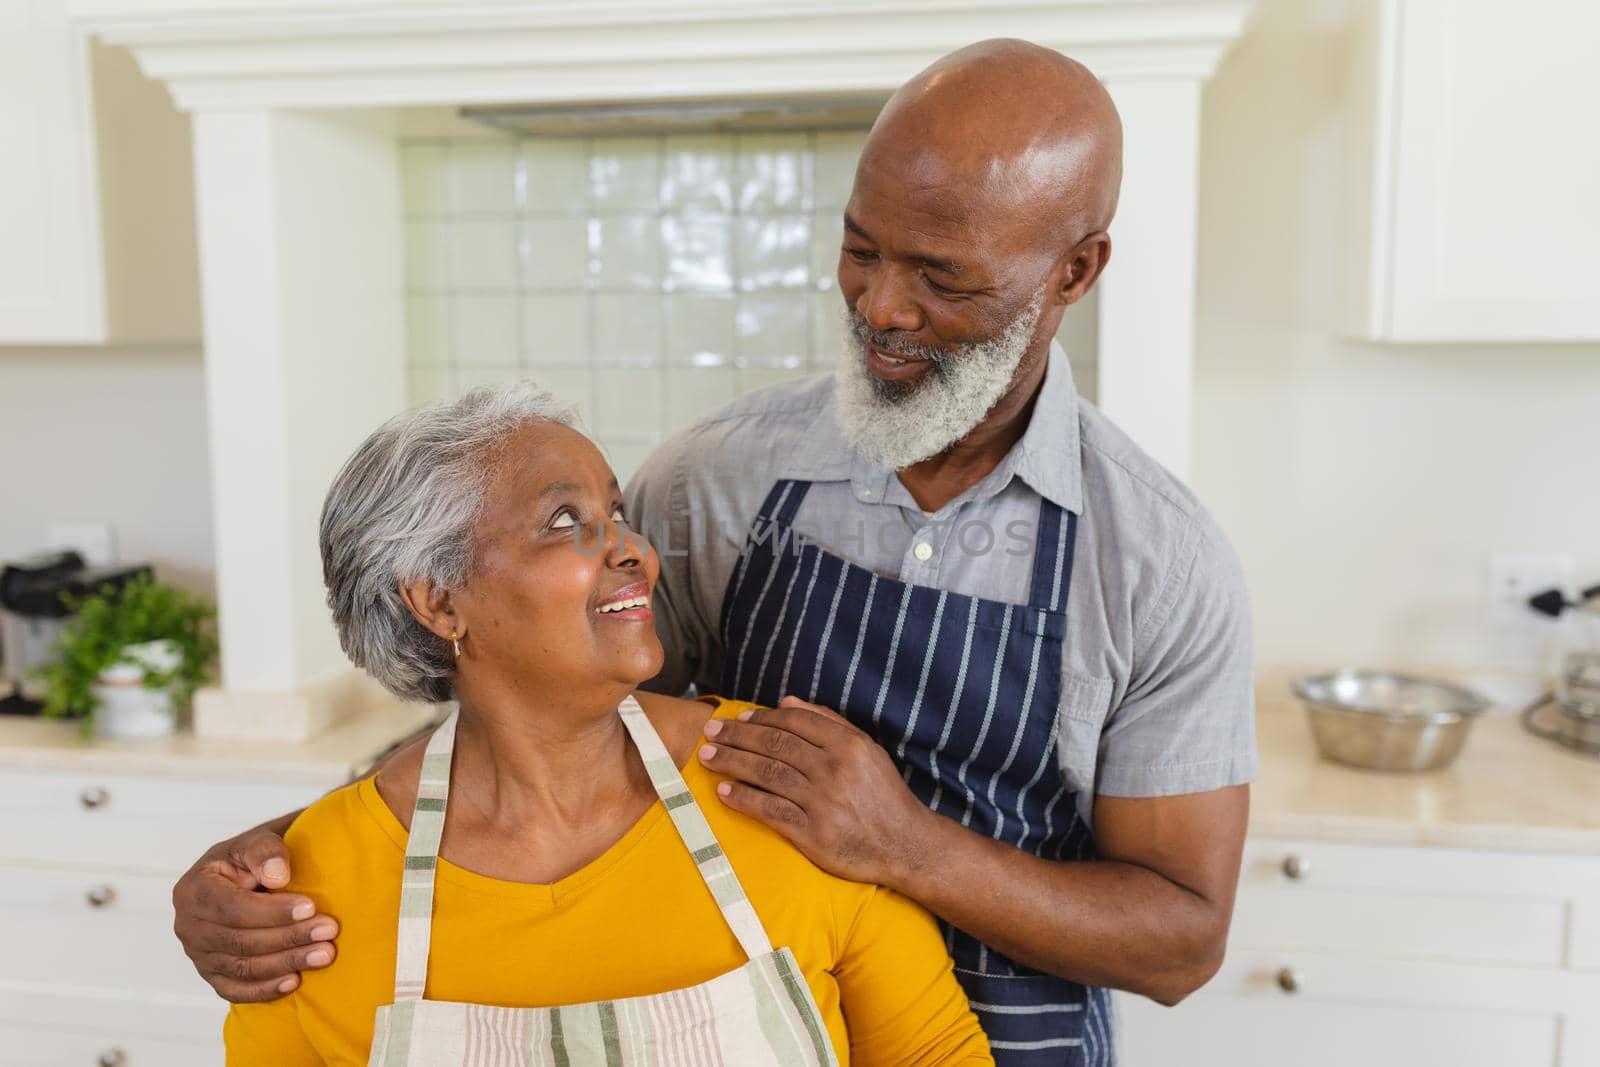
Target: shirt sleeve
[
  {"x": 657, "y": 506},
  {"x": 898, "y": 989},
  {"x": 267, "y": 1035},
  {"x": 1187, "y": 721}
]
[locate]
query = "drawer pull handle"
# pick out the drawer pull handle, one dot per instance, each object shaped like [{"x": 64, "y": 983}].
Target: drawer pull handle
[
  {"x": 1289, "y": 980},
  {"x": 100, "y": 896},
  {"x": 1296, "y": 867},
  {"x": 94, "y": 797},
  {"x": 112, "y": 1057}
]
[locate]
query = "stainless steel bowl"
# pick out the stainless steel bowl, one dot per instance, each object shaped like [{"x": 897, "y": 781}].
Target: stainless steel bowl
[{"x": 1388, "y": 722}]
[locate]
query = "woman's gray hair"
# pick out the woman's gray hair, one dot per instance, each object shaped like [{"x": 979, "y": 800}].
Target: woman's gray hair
[{"x": 401, "y": 510}]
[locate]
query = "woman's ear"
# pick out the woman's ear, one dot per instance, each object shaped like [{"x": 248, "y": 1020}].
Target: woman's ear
[{"x": 430, "y": 605}]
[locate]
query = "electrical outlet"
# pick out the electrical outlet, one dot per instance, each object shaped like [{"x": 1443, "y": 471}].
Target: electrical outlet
[
  {"x": 91, "y": 539},
  {"x": 1515, "y": 576}
]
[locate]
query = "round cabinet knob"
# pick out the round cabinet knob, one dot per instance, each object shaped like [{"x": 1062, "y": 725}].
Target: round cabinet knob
[
  {"x": 1296, "y": 867},
  {"x": 112, "y": 1057},
  {"x": 1289, "y": 980},
  {"x": 94, "y": 797},
  {"x": 100, "y": 896}
]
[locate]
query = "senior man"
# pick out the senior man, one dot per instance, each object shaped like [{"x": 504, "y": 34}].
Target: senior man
[{"x": 1011, "y": 653}]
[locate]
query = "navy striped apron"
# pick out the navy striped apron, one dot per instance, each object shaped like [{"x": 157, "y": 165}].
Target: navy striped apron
[{"x": 963, "y": 692}]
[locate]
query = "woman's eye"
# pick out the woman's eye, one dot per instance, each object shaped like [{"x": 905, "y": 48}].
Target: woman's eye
[{"x": 565, "y": 519}]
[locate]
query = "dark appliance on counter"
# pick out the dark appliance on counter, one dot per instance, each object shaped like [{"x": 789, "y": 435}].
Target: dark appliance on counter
[{"x": 32, "y": 615}]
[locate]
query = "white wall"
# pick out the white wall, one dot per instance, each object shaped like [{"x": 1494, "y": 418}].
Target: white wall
[
  {"x": 108, "y": 434},
  {"x": 1364, "y": 485}
]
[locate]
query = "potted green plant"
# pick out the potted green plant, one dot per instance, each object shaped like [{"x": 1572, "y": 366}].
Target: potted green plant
[{"x": 130, "y": 658}]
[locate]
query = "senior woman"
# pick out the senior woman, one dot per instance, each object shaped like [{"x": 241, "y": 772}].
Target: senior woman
[{"x": 546, "y": 879}]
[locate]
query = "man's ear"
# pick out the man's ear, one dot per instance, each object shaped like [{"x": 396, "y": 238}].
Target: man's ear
[
  {"x": 430, "y": 605},
  {"x": 1081, "y": 266}
]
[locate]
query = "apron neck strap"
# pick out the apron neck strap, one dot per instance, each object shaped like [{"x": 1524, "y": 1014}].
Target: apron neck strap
[
  {"x": 422, "y": 859},
  {"x": 784, "y": 499},
  {"x": 427, "y": 828},
  {"x": 1052, "y": 557},
  {"x": 696, "y": 832}
]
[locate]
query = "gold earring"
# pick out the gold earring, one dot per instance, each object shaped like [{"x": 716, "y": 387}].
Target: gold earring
[{"x": 455, "y": 641}]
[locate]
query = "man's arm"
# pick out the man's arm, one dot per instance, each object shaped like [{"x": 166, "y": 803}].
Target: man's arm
[
  {"x": 1151, "y": 916},
  {"x": 250, "y": 943}
]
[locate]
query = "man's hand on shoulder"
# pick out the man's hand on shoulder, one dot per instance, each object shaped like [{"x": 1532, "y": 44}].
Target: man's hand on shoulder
[
  {"x": 824, "y": 784},
  {"x": 248, "y": 941}
]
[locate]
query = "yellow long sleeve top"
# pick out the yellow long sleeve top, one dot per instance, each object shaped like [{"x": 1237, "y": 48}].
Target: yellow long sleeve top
[{"x": 637, "y": 920}]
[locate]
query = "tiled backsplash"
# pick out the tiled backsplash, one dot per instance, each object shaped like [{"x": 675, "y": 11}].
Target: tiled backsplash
[{"x": 646, "y": 280}]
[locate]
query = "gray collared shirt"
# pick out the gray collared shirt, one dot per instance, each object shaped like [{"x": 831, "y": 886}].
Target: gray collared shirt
[{"x": 1156, "y": 696}]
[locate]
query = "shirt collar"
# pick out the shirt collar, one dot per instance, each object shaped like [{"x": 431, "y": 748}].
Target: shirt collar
[{"x": 1046, "y": 457}]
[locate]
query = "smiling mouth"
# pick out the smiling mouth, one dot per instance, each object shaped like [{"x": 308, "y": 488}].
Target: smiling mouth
[
  {"x": 624, "y": 605},
  {"x": 894, "y": 370},
  {"x": 632, "y": 601},
  {"x": 894, "y": 360}
]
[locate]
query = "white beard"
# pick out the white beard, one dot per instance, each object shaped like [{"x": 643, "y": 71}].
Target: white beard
[{"x": 899, "y": 425}]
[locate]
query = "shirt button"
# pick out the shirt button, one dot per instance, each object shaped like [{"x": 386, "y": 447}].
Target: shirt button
[{"x": 923, "y": 551}]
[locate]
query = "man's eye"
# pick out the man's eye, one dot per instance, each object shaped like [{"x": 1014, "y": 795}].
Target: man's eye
[
  {"x": 859, "y": 255},
  {"x": 565, "y": 519},
  {"x": 618, "y": 517}
]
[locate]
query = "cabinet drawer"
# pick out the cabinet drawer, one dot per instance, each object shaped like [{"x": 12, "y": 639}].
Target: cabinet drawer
[
  {"x": 110, "y": 821},
  {"x": 1378, "y": 1013},
  {"x": 1229, "y": 1032},
  {"x": 87, "y": 930},
  {"x": 50, "y": 1029},
  {"x": 1417, "y": 903},
  {"x": 1468, "y": 927},
  {"x": 26, "y": 1045}
]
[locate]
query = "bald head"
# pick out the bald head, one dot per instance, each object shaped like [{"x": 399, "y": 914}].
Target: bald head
[{"x": 1029, "y": 129}]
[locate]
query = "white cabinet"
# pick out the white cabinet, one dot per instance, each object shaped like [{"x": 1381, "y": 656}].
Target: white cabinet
[
  {"x": 1393, "y": 956},
  {"x": 90, "y": 1027},
  {"x": 96, "y": 192},
  {"x": 1472, "y": 198},
  {"x": 91, "y": 971}
]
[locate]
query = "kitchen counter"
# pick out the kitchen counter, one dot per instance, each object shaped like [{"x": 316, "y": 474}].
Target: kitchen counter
[
  {"x": 1508, "y": 790},
  {"x": 343, "y": 752}
]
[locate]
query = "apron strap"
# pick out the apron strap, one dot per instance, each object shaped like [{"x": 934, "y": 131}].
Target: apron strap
[
  {"x": 784, "y": 500},
  {"x": 696, "y": 832},
  {"x": 422, "y": 857},
  {"x": 774, "y": 518},
  {"x": 1052, "y": 557}
]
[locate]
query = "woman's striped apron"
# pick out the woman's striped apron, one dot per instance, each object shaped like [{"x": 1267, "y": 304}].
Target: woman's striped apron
[
  {"x": 964, "y": 693},
  {"x": 760, "y": 1014}
]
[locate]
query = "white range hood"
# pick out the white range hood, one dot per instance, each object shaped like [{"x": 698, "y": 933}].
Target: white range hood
[{"x": 293, "y": 103}]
